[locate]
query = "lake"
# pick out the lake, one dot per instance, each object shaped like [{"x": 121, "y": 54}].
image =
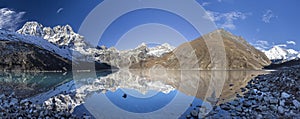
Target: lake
[{"x": 129, "y": 93}]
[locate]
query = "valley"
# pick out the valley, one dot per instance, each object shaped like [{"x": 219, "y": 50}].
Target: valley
[{"x": 218, "y": 75}]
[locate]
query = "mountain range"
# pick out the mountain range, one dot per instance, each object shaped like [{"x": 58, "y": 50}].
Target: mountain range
[
  {"x": 279, "y": 54},
  {"x": 64, "y": 43},
  {"x": 40, "y": 47},
  {"x": 238, "y": 54}
]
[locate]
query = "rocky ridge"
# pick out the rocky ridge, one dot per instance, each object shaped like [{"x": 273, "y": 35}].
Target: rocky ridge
[
  {"x": 65, "y": 38},
  {"x": 125, "y": 58},
  {"x": 64, "y": 42},
  {"x": 239, "y": 53},
  {"x": 25, "y": 52}
]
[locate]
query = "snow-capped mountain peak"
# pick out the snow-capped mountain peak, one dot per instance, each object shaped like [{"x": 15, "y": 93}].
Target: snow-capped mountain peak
[
  {"x": 166, "y": 45},
  {"x": 159, "y": 50},
  {"x": 40, "y": 42},
  {"x": 292, "y": 51},
  {"x": 32, "y": 28},
  {"x": 67, "y": 29},
  {"x": 63, "y": 36},
  {"x": 279, "y": 53},
  {"x": 65, "y": 39},
  {"x": 142, "y": 47}
]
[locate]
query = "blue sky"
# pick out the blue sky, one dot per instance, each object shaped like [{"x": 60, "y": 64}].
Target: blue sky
[{"x": 263, "y": 23}]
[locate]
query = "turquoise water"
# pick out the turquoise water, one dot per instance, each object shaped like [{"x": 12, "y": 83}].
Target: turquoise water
[{"x": 31, "y": 83}]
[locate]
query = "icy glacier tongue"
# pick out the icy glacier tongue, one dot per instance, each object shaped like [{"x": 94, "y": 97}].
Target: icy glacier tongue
[{"x": 278, "y": 53}]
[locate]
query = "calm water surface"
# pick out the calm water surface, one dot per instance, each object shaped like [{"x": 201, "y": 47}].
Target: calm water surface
[{"x": 131, "y": 93}]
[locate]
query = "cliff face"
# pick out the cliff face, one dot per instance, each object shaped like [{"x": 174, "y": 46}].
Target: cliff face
[{"x": 237, "y": 54}]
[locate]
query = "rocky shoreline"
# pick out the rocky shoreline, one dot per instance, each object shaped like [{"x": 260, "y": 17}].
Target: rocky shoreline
[
  {"x": 271, "y": 96},
  {"x": 11, "y": 107}
]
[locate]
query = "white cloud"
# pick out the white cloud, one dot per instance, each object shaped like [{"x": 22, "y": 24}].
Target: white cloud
[
  {"x": 291, "y": 42},
  {"x": 263, "y": 42},
  {"x": 265, "y": 45},
  {"x": 10, "y": 19},
  {"x": 205, "y": 4},
  {"x": 261, "y": 45},
  {"x": 268, "y": 16},
  {"x": 59, "y": 10},
  {"x": 282, "y": 45},
  {"x": 226, "y": 20}
]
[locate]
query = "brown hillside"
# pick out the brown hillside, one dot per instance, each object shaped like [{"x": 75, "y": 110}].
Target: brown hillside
[{"x": 225, "y": 52}]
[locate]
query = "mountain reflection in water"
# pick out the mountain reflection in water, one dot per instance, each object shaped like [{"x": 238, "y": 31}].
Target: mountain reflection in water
[
  {"x": 201, "y": 84},
  {"x": 163, "y": 93},
  {"x": 30, "y": 83},
  {"x": 131, "y": 93}
]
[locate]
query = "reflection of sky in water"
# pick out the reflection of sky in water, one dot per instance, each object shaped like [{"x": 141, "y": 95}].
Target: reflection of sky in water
[
  {"x": 145, "y": 98},
  {"x": 137, "y": 94},
  {"x": 172, "y": 105},
  {"x": 136, "y": 104}
]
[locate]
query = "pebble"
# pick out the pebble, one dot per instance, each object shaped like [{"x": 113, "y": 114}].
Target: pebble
[
  {"x": 281, "y": 102},
  {"x": 234, "y": 103},
  {"x": 273, "y": 107},
  {"x": 261, "y": 108},
  {"x": 273, "y": 101},
  {"x": 259, "y": 98},
  {"x": 264, "y": 89},
  {"x": 243, "y": 89},
  {"x": 225, "y": 107},
  {"x": 239, "y": 108},
  {"x": 194, "y": 113},
  {"x": 296, "y": 103},
  {"x": 247, "y": 103},
  {"x": 266, "y": 99},
  {"x": 280, "y": 110},
  {"x": 285, "y": 95},
  {"x": 188, "y": 116}
]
